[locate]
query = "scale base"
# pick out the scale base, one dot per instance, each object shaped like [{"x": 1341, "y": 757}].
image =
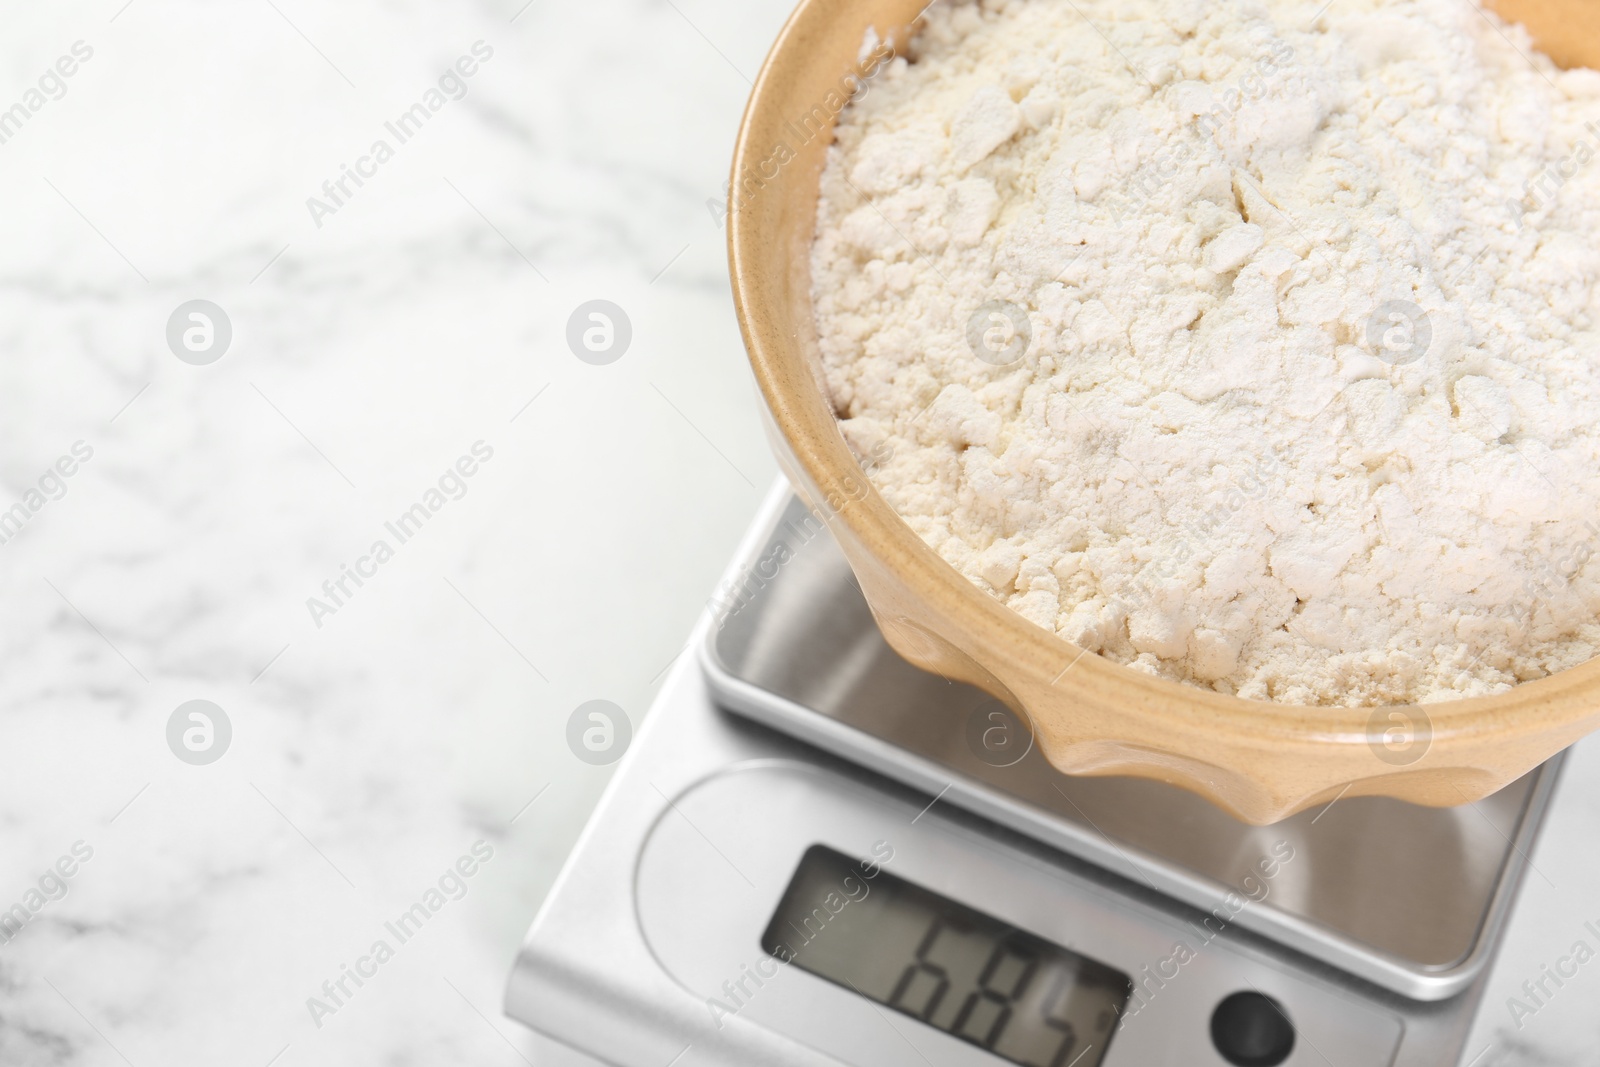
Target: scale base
[{"x": 670, "y": 886}]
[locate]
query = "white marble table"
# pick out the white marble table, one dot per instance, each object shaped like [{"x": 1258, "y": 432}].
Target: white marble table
[{"x": 377, "y": 336}]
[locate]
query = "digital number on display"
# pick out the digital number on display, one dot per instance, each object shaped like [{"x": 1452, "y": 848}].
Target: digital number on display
[{"x": 972, "y": 976}]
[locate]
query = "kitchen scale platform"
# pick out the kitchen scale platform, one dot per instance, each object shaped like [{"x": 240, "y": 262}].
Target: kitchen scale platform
[{"x": 816, "y": 853}]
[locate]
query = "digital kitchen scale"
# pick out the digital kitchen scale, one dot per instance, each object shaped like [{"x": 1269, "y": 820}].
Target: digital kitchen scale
[{"x": 817, "y": 854}]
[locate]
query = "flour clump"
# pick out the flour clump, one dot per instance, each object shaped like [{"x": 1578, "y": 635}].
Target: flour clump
[{"x": 1244, "y": 345}]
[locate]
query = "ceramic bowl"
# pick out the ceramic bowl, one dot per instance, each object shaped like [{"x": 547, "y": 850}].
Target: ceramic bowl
[
  {"x": 1568, "y": 30},
  {"x": 1260, "y": 761}
]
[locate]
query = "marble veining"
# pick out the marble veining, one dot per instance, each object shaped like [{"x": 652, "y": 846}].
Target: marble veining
[{"x": 211, "y": 907}]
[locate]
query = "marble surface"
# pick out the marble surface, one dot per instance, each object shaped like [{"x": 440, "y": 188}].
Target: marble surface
[{"x": 377, "y": 741}]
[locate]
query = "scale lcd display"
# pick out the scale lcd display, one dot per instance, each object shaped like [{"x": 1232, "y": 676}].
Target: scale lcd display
[{"x": 1020, "y": 997}]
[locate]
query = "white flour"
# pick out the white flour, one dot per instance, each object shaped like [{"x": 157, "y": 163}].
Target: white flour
[{"x": 1308, "y": 405}]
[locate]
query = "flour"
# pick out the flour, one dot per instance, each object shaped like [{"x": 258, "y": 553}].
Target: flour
[{"x": 1309, "y": 400}]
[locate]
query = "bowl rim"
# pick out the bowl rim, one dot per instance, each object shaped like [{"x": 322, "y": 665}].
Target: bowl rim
[{"x": 1563, "y": 698}]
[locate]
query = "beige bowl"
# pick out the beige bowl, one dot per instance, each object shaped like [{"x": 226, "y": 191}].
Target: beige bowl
[
  {"x": 1568, "y": 30},
  {"x": 1260, "y": 761}
]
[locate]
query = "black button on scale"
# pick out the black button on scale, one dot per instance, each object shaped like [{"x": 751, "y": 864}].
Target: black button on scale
[{"x": 1252, "y": 1030}]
